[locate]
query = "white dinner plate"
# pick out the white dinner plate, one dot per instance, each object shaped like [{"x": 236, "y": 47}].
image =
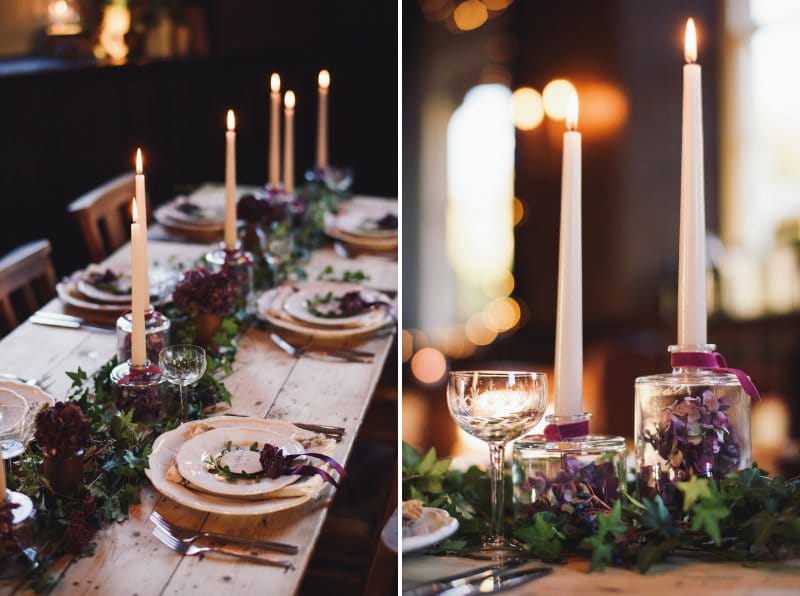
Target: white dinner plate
[
  {"x": 35, "y": 398},
  {"x": 166, "y": 447},
  {"x": 13, "y": 411},
  {"x": 433, "y": 526},
  {"x": 359, "y": 224},
  {"x": 270, "y": 309},
  {"x": 94, "y": 293},
  {"x": 208, "y": 214},
  {"x": 193, "y": 455},
  {"x": 296, "y": 304}
]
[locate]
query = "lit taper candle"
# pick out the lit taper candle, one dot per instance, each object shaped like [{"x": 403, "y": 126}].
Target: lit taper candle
[
  {"x": 275, "y": 130},
  {"x": 569, "y": 319},
  {"x": 138, "y": 290},
  {"x": 230, "y": 182},
  {"x": 692, "y": 249},
  {"x": 141, "y": 201},
  {"x": 288, "y": 142},
  {"x": 324, "y": 83}
]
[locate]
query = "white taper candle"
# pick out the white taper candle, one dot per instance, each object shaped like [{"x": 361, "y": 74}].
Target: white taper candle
[
  {"x": 288, "y": 142},
  {"x": 275, "y": 130},
  {"x": 138, "y": 291},
  {"x": 141, "y": 202},
  {"x": 230, "y": 182},
  {"x": 324, "y": 82},
  {"x": 569, "y": 319}
]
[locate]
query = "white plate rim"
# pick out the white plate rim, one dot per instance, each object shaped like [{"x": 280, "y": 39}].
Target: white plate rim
[
  {"x": 23, "y": 405},
  {"x": 415, "y": 543},
  {"x": 294, "y": 304}
]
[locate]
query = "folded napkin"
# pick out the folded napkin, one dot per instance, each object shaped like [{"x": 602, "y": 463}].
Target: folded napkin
[{"x": 306, "y": 486}]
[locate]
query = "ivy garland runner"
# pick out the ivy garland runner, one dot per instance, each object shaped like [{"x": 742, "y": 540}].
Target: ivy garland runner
[
  {"x": 745, "y": 516},
  {"x": 116, "y": 455}
]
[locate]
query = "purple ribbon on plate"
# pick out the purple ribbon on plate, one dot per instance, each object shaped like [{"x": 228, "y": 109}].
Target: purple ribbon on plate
[
  {"x": 716, "y": 362},
  {"x": 309, "y": 470}
]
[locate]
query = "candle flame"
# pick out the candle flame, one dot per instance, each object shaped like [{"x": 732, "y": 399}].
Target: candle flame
[
  {"x": 572, "y": 111},
  {"x": 139, "y": 161},
  {"x": 324, "y": 79},
  {"x": 135, "y": 211},
  {"x": 690, "y": 42},
  {"x": 231, "y": 121},
  {"x": 275, "y": 82},
  {"x": 288, "y": 100}
]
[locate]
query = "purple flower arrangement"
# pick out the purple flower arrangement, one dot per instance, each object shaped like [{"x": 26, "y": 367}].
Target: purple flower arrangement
[
  {"x": 201, "y": 291},
  {"x": 575, "y": 482},
  {"x": 62, "y": 430}
]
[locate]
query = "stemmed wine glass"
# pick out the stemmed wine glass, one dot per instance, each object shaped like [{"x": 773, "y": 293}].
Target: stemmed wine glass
[
  {"x": 496, "y": 407},
  {"x": 182, "y": 365}
]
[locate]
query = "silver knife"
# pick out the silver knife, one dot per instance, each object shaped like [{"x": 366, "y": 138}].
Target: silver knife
[
  {"x": 499, "y": 581},
  {"x": 470, "y": 581},
  {"x": 66, "y": 324},
  {"x": 353, "y": 355}
]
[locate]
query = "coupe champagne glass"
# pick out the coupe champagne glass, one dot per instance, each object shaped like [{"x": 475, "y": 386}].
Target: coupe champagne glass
[
  {"x": 496, "y": 407},
  {"x": 182, "y": 365}
]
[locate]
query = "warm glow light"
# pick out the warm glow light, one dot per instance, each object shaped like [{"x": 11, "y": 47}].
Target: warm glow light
[
  {"x": 497, "y": 4},
  {"x": 470, "y": 14},
  {"x": 138, "y": 161},
  {"x": 134, "y": 211},
  {"x": 572, "y": 111},
  {"x": 116, "y": 23},
  {"x": 428, "y": 365},
  {"x": 231, "y": 120},
  {"x": 407, "y": 344},
  {"x": 324, "y": 79},
  {"x": 528, "y": 108},
  {"x": 555, "y": 95},
  {"x": 501, "y": 314},
  {"x": 275, "y": 82},
  {"x": 519, "y": 211},
  {"x": 288, "y": 100},
  {"x": 478, "y": 332},
  {"x": 690, "y": 42},
  {"x": 60, "y": 8}
]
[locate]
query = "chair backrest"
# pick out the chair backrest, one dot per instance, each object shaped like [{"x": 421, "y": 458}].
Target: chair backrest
[
  {"x": 26, "y": 271},
  {"x": 103, "y": 215}
]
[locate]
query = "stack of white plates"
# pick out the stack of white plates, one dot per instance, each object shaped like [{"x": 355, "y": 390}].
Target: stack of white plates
[
  {"x": 81, "y": 292},
  {"x": 289, "y": 308},
  {"x": 199, "y": 489},
  {"x": 357, "y": 224},
  {"x": 203, "y": 211}
]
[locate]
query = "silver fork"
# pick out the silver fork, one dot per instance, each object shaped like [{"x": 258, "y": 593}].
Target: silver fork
[
  {"x": 189, "y": 536},
  {"x": 189, "y": 549},
  {"x": 32, "y": 382}
]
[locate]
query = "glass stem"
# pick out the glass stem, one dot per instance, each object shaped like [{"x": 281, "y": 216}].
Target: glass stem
[
  {"x": 183, "y": 403},
  {"x": 497, "y": 453}
]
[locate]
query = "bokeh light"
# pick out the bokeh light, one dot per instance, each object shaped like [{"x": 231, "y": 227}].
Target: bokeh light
[
  {"x": 555, "y": 95},
  {"x": 519, "y": 211},
  {"x": 470, "y": 15},
  {"x": 407, "y": 343},
  {"x": 528, "y": 108},
  {"x": 428, "y": 365},
  {"x": 501, "y": 314},
  {"x": 437, "y": 10},
  {"x": 497, "y": 4},
  {"x": 478, "y": 332}
]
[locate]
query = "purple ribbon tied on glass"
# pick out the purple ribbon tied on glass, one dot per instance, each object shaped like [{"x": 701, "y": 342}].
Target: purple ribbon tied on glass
[
  {"x": 716, "y": 362},
  {"x": 568, "y": 430}
]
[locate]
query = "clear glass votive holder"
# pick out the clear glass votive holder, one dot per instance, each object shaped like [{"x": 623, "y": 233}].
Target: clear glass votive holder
[
  {"x": 141, "y": 389},
  {"x": 567, "y": 475},
  {"x": 692, "y": 421},
  {"x": 13, "y": 548},
  {"x": 156, "y": 334},
  {"x": 240, "y": 265}
]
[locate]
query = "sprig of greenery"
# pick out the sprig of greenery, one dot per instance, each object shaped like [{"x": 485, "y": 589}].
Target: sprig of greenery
[
  {"x": 746, "y": 517},
  {"x": 215, "y": 465},
  {"x": 355, "y": 276}
]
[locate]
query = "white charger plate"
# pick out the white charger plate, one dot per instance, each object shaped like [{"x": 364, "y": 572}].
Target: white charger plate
[
  {"x": 193, "y": 455},
  {"x": 433, "y": 526},
  {"x": 270, "y": 312},
  {"x": 353, "y": 223},
  {"x": 295, "y": 304},
  {"x": 13, "y": 411},
  {"x": 166, "y": 447}
]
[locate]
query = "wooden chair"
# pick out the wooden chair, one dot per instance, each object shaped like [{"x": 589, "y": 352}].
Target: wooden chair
[
  {"x": 27, "y": 268},
  {"x": 103, "y": 215}
]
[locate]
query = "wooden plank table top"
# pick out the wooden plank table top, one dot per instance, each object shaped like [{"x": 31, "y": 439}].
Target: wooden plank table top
[
  {"x": 267, "y": 383},
  {"x": 677, "y": 576}
]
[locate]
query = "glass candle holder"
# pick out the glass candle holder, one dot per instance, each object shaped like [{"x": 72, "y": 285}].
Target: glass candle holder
[
  {"x": 692, "y": 421},
  {"x": 567, "y": 475},
  {"x": 15, "y": 551},
  {"x": 156, "y": 334},
  {"x": 139, "y": 388},
  {"x": 240, "y": 265}
]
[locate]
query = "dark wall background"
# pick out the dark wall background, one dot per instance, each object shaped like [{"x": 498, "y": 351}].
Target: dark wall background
[{"x": 68, "y": 128}]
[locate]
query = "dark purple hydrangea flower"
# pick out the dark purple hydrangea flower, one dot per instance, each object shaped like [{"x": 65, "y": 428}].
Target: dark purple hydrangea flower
[
  {"x": 62, "y": 429},
  {"x": 274, "y": 461},
  {"x": 201, "y": 291},
  {"x": 387, "y": 222}
]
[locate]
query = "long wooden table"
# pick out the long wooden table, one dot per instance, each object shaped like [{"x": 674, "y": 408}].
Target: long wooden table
[{"x": 266, "y": 382}]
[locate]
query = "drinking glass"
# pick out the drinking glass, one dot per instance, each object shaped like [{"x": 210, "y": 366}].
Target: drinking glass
[
  {"x": 496, "y": 407},
  {"x": 182, "y": 365}
]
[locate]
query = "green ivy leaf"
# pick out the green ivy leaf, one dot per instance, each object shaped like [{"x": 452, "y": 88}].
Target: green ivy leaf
[
  {"x": 707, "y": 515},
  {"x": 693, "y": 490}
]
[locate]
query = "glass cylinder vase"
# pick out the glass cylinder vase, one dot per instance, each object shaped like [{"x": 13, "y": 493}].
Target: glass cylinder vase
[
  {"x": 17, "y": 534},
  {"x": 692, "y": 421},
  {"x": 139, "y": 388},
  {"x": 239, "y": 264},
  {"x": 156, "y": 334},
  {"x": 577, "y": 474}
]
